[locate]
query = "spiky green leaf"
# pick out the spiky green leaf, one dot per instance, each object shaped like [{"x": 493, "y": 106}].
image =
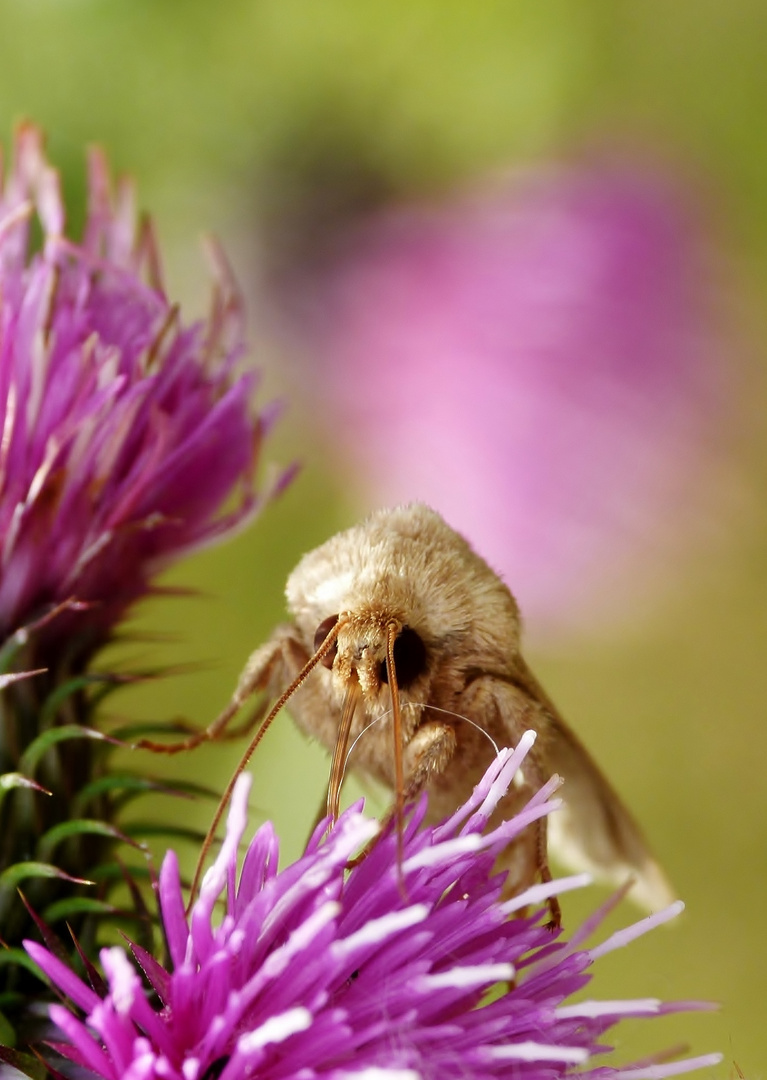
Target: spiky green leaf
[
  {"x": 177, "y": 832},
  {"x": 65, "y": 830},
  {"x": 115, "y": 871},
  {"x": 15, "y": 676},
  {"x": 127, "y": 786},
  {"x": 12, "y": 876},
  {"x": 39, "y": 746},
  {"x": 98, "y": 684},
  {"x": 74, "y": 906},
  {"x": 11, "y": 780},
  {"x": 136, "y": 730},
  {"x": 27, "y": 1064},
  {"x": 7, "y": 1032},
  {"x": 19, "y": 958}
]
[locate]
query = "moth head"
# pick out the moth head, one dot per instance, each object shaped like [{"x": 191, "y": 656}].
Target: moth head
[
  {"x": 406, "y": 566},
  {"x": 359, "y": 651}
]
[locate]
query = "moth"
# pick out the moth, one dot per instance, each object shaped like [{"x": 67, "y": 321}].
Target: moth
[{"x": 403, "y": 655}]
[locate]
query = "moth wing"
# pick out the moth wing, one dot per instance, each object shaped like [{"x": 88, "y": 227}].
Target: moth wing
[{"x": 593, "y": 831}]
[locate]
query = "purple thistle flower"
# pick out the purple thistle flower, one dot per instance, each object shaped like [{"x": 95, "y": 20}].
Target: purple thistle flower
[
  {"x": 126, "y": 439},
  {"x": 123, "y": 431},
  {"x": 378, "y": 972}
]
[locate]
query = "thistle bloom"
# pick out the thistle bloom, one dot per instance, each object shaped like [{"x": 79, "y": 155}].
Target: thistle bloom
[
  {"x": 126, "y": 438},
  {"x": 381, "y": 971},
  {"x": 539, "y": 362},
  {"x": 123, "y": 431}
]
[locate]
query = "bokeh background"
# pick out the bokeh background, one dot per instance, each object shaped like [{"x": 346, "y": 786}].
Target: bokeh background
[{"x": 333, "y": 148}]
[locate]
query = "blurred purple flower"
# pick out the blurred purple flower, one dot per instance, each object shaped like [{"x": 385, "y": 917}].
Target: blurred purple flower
[
  {"x": 123, "y": 431},
  {"x": 540, "y": 364},
  {"x": 376, "y": 972}
]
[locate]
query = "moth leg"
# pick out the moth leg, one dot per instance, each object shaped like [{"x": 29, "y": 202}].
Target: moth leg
[
  {"x": 425, "y": 756},
  {"x": 526, "y": 859},
  {"x": 506, "y": 711},
  {"x": 555, "y": 911},
  {"x": 541, "y": 834},
  {"x": 270, "y": 668}
]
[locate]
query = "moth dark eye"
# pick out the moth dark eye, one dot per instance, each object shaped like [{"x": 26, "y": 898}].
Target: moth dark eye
[
  {"x": 409, "y": 658},
  {"x": 320, "y": 634}
]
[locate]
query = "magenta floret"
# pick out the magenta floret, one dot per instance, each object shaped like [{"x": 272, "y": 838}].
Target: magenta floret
[{"x": 318, "y": 971}]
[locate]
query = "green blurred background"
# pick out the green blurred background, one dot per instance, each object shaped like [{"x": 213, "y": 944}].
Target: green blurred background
[{"x": 205, "y": 104}]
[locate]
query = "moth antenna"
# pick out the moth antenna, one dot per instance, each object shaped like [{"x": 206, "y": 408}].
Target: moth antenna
[
  {"x": 338, "y": 765},
  {"x": 310, "y": 664},
  {"x": 399, "y": 772}
]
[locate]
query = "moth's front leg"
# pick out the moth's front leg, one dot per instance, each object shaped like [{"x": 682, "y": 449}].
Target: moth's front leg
[
  {"x": 270, "y": 668},
  {"x": 505, "y": 711},
  {"x": 427, "y": 755}
]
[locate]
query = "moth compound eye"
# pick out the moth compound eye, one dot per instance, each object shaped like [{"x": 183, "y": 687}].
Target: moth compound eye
[
  {"x": 409, "y": 658},
  {"x": 320, "y": 634}
]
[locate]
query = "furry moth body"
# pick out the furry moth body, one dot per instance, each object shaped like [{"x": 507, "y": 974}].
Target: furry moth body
[{"x": 461, "y": 677}]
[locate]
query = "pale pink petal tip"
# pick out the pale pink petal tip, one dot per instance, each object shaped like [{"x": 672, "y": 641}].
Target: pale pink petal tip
[{"x": 384, "y": 971}]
